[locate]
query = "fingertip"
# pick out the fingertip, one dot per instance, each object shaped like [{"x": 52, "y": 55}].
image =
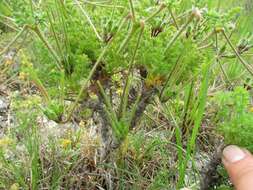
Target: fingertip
[
  {"x": 232, "y": 154},
  {"x": 239, "y": 164}
]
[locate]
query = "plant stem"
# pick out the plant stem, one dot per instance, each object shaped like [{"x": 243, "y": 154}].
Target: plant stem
[
  {"x": 132, "y": 9},
  {"x": 205, "y": 46},
  {"x": 218, "y": 60},
  {"x": 107, "y": 102},
  {"x": 124, "y": 99},
  {"x": 244, "y": 63},
  {"x": 162, "y": 6},
  {"x": 128, "y": 38},
  {"x": 55, "y": 36},
  {"x": 86, "y": 82},
  {"x": 32, "y": 11},
  {"x": 188, "y": 101},
  {"x": 11, "y": 22},
  {"x": 135, "y": 27},
  {"x": 89, "y": 20},
  {"x": 179, "y": 17},
  {"x": 179, "y": 32},
  {"x": 103, "y": 5},
  {"x": 198, "y": 119},
  {"x": 207, "y": 37},
  {"x": 224, "y": 72},
  {"x": 37, "y": 30},
  {"x": 42, "y": 89},
  {"x": 170, "y": 75},
  {"x": 173, "y": 18},
  {"x": 14, "y": 40}
]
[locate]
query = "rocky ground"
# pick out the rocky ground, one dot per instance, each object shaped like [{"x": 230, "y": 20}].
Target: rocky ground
[
  {"x": 206, "y": 162},
  {"x": 5, "y": 117}
]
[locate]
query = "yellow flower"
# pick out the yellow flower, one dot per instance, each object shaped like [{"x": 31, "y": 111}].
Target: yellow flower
[
  {"x": 65, "y": 143},
  {"x": 29, "y": 64},
  {"x": 5, "y": 142},
  {"x": 93, "y": 96},
  {"x": 25, "y": 60},
  {"x": 82, "y": 124},
  {"x": 116, "y": 77},
  {"x": 8, "y": 62},
  {"x": 251, "y": 109},
  {"x": 14, "y": 186},
  {"x": 219, "y": 29},
  {"x": 154, "y": 81},
  {"x": 119, "y": 91},
  {"x": 22, "y": 76}
]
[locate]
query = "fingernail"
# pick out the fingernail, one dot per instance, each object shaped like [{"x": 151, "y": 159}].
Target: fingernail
[{"x": 233, "y": 154}]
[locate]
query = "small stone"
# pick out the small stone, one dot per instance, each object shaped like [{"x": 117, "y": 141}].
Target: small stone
[{"x": 3, "y": 104}]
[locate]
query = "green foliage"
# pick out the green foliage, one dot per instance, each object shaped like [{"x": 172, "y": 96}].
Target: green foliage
[
  {"x": 225, "y": 184},
  {"x": 197, "y": 117},
  {"x": 164, "y": 50},
  {"x": 236, "y": 117},
  {"x": 25, "y": 13},
  {"x": 5, "y": 8},
  {"x": 120, "y": 126},
  {"x": 24, "y": 152},
  {"x": 217, "y": 19},
  {"x": 73, "y": 39},
  {"x": 28, "y": 144},
  {"x": 160, "y": 180},
  {"x": 54, "y": 111}
]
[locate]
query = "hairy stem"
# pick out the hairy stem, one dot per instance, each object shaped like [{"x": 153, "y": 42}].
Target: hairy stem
[
  {"x": 179, "y": 32},
  {"x": 170, "y": 75},
  {"x": 206, "y": 38},
  {"x": 128, "y": 38},
  {"x": 37, "y": 30},
  {"x": 123, "y": 102},
  {"x": 218, "y": 61},
  {"x": 103, "y": 5},
  {"x": 42, "y": 89},
  {"x": 244, "y": 63},
  {"x": 86, "y": 82},
  {"x": 132, "y": 9},
  {"x": 206, "y": 46},
  {"x": 173, "y": 18},
  {"x": 11, "y": 22},
  {"x": 89, "y": 20},
  {"x": 162, "y": 6},
  {"x": 14, "y": 40}
]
